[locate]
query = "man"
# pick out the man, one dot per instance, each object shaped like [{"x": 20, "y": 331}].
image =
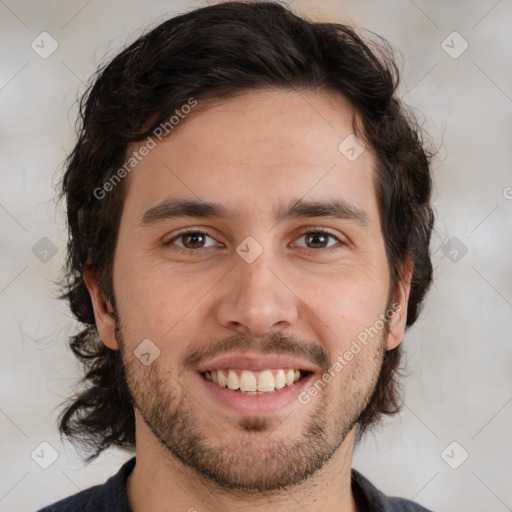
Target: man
[{"x": 249, "y": 216}]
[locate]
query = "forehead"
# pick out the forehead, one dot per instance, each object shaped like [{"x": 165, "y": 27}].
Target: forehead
[{"x": 254, "y": 151}]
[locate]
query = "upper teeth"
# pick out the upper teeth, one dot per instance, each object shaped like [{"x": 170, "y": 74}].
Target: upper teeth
[{"x": 248, "y": 381}]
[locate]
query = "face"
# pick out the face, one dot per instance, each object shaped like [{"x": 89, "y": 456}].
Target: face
[{"x": 268, "y": 288}]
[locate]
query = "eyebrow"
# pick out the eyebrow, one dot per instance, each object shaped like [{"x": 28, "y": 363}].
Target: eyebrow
[{"x": 175, "y": 208}]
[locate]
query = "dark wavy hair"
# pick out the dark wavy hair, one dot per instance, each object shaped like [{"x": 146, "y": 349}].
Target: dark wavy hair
[{"x": 222, "y": 51}]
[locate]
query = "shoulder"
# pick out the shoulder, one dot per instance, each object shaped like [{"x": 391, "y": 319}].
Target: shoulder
[
  {"x": 403, "y": 505},
  {"x": 83, "y": 501},
  {"x": 374, "y": 500},
  {"x": 110, "y": 496}
]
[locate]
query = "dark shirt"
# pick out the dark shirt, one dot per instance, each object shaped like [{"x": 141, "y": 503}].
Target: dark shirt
[{"x": 111, "y": 496}]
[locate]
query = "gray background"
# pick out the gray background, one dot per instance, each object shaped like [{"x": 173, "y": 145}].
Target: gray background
[{"x": 459, "y": 353}]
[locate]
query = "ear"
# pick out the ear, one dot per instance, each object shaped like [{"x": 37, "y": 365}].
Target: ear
[
  {"x": 400, "y": 301},
  {"x": 102, "y": 310}
]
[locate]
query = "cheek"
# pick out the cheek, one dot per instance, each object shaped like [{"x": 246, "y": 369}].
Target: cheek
[
  {"x": 343, "y": 304},
  {"x": 156, "y": 302}
]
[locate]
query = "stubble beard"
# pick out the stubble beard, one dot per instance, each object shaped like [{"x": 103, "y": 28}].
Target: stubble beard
[{"x": 260, "y": 459}]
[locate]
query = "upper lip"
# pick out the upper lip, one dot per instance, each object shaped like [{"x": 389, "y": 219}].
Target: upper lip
[{"x": 256, "y": 362}]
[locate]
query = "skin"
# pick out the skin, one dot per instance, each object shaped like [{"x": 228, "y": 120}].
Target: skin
[{"x": 252, "y": 153}]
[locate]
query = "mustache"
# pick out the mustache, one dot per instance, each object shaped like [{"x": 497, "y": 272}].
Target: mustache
[{"x": 273, "y": 343}]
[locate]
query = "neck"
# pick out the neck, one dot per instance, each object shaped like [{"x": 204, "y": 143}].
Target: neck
[{"x": 161, "y": 482}]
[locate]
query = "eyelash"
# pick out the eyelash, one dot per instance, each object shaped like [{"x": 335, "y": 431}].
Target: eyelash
[{"x": 207, "y": 233}]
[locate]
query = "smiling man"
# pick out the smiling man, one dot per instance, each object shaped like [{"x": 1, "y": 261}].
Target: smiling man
[{"x": 249, "y": 222}]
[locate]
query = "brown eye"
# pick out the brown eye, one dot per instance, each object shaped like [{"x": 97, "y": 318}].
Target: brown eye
[
  {"x": 192, "y": 240},
  {"x": 319, "y": 240}
]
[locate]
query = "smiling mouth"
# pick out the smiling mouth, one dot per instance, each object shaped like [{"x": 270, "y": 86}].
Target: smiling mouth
[{"x": 255, "y": 383}]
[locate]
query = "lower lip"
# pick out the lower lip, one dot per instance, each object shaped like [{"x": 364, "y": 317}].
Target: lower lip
[{"x": 256, "y": 404}]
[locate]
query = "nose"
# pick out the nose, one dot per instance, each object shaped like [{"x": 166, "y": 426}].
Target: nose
[{"x": 256, "y": 299}]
